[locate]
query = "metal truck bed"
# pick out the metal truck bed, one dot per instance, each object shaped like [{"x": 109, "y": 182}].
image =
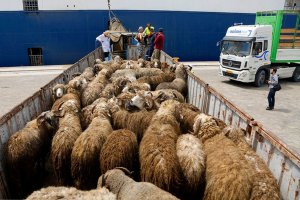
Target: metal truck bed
[{"x": 283, "y": 162}]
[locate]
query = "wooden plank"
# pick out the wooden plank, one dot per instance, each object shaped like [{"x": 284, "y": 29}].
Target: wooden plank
[
  {"x": 289, "y": 37},
  {"x": 289, "y": 45},
  {"x": 289, "y": 30}
]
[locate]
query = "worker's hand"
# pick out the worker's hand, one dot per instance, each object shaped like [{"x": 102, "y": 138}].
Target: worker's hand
[{"x": 269, "y": 82}]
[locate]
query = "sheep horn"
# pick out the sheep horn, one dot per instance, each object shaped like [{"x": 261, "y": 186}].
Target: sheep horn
[{"x": 125, "y": 170}]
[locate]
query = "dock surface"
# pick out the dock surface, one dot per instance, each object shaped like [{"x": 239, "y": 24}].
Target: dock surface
[
  {"x": 283, "y": 121},
  {"x": 19, "y": 83}
]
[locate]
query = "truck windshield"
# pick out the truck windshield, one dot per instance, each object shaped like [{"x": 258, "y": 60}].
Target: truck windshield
[{"x": 237, "y": 48}]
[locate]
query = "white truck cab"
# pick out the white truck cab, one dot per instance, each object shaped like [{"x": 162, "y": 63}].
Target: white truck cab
[{"x": 245, "y": 55}]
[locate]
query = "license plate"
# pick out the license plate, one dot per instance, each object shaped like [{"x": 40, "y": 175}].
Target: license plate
[{"x": 229, "y": 72}]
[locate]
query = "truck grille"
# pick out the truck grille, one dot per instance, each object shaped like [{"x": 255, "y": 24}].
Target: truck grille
[{"x": 231, "y": 63}]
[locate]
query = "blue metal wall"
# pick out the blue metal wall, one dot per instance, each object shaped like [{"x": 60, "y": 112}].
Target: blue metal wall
[{"x": 66, "y": 36}]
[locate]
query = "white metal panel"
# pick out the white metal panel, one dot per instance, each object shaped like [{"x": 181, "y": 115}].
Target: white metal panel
[
  {"x": 234, "y": 6},
  {"x": 288, "y": 54}
]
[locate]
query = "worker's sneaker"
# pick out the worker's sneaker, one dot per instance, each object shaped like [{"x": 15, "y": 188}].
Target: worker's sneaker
[{"x": 268, "y": 108}]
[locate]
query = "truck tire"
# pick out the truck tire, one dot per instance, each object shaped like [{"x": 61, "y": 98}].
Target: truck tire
[
  {"x": 260, "y": 78},
  {"x": 296, "y": 75}
]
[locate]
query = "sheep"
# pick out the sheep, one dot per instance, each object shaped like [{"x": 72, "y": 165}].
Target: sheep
[
  {"x": 228, "y": 174},
  {"x": 119, "y": 150},
  {"x": 86, "y": 115},
  {"x": 140, "y": 72},
  {"x": 158, "y": 159},
  {"x": 179, "y": 83},
  {"x": 155, "y": 80},
  {"x": 191, "y": 158},
  {"x": 115, "y": 88},
  {"x": 137, "y": 122},
  {"x": 85, "y": 167},
  {"x": 71, "y": 193},
  {"x": 63, "y": 142},
  {"x": 62, "y": 93},
  {"x": 94, "y": 88},
  {"x": 186, "y": 113},
  {"x": 87, "y": 74},
  {"x": 136, "y": 86},
  {"x": 126, "y": 188},
  {"x": 152, "y": 99},
  {"x": 264, "y": 184},
  {"x": 26, "y": 148},
  {"x": 129, "y": 73}
]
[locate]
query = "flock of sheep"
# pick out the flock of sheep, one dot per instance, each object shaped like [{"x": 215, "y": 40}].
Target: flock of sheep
[{"x": 122, "y": 130}]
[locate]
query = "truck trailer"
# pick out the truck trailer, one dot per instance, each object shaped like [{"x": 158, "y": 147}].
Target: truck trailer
[
  {"x": 248, "y": 52},
  {"x": 283, "y": 162}
]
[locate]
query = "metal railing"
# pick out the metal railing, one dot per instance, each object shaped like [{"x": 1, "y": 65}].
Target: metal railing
[
  {"x": 30, "y": 108},
  {"x": 36, "y": 60}
]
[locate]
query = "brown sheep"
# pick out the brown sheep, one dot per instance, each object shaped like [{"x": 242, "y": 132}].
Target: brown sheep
[
  {"x": 86, "y": 115},
  {"x": 63, "y": 142},
  {"x": 186, "y": 114},
  {"x": 85, "y": 166},
  {"x": 119, "y": 150},
  {"x": 94, "y": 88},
  {"x": 228, "y": 174},
  {"x": 152, "y": 99},
  {"x": 158, "y": 159},
  {"x": 137, "y": 122},
  {"x": 70, "y": 193},
  {"x": 264, "y": 184},
  {"x": 126, "y": 188},
  {"x": 25, "y": 149},
  {"x": 192, "y": 160},
  {"x": 115, "y": 88},
  {"x": 135, "y": 86},
  {"x": 62, "y": 93},
  {"x": 154, "y": 81},
  {"x": 179, "y": 83}
]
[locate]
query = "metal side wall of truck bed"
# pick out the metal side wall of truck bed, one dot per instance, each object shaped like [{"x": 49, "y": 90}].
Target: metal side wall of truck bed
[
  {"x": 284, "y": 163},
  {"x": 30, "y": 108}
]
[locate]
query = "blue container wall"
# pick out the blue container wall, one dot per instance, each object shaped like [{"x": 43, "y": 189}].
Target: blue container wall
[{"x": 66, "y": 36}]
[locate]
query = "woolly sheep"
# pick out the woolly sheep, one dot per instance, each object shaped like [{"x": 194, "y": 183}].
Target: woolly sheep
[
  {"x": 228, "y": 174},
  {"x": 137, "y": 122},
  {"x": 85, "y": 167},
  {"x": 158, "y": 159},
  {"x": 179, "y": 83},
  {"x": 70, "y": 193},
  {"x": 264, "y": 184},
  {"x": 155, "y": 80},
  {"x": 26, "y": 148},
  {"x": 191, "y": 158},
  {"x": 94, "y": 88},
  {"x": 63, "y": 142},
  {"x": 126, "y": 188},
  {"x": 186, "y": 113},
  {"x": 119, "y": 150}
]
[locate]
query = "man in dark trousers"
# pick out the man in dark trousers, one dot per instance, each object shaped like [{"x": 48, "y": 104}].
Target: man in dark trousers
[
  {"x": 158, "y": 44},
  {"x": 150, "y": 42}
]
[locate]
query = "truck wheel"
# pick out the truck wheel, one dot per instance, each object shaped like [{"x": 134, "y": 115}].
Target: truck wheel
[
  {"x": 260, "y": 78},
  {"x": 296, "y": 75}
]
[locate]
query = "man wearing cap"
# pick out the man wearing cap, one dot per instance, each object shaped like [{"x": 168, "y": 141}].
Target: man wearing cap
[
  {"x": 140, "y": 42},
  {"x": 158, "y": 44},
  {"x": 150, "y": 43},
  {"x": 104, "y": 40}
]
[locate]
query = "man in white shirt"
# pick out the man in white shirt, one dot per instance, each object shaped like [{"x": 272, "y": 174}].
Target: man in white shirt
[{"x": 105, "y": 43}]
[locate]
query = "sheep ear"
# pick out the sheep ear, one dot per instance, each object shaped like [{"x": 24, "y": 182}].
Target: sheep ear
[
  {"x": 148, "y": 94},
  {"x": 93, "y": 108},
  {"x": 41, "y": 117},
  {"x": 59, "y": 106},
  {"x": 59, "y": 113}
]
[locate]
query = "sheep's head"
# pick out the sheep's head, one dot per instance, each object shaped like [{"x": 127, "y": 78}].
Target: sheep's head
[
  {"x": 199, "y": 121},
  {"x": 78, "y": 83},
  {"x": 48, "y": 120},
  {"x": 118, "y": 59},
  {"x": 234, "y": 133},
  {"x": 117, "y": 173},
  {"x": 97, "y": 61},
  {"x": 129, "y": 64},
  {"x": 156, "y": 63},
  {"x": 68, "y": 107},
  {"x": 120, "y": 82},
  {"x": 142, "y": 100},
  {"x": 180, "y": 71},
  {"x": 58, "y": 91},
  {"x": 97, "y": 68},
  {"x": 141, "y": 62}
]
